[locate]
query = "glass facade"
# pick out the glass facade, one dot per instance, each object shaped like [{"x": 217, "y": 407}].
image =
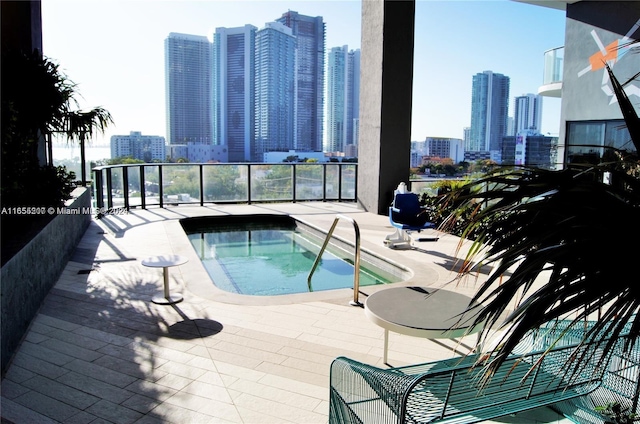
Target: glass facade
[
  {"x": 233, "y": 90},
  {"x": 489, "y": 111},
  {"x": 336, "y": 100},
  {"x": 274, "y": 90},
  {"x": 310, "y": 63},
  {"x": 343, "y": 95},
  {"x": 593, "y": 141},
  {"x": 188, "y": 88}
]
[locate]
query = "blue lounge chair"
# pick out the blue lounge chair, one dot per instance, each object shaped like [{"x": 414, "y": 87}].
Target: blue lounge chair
[{"x": 404, "y": 217}]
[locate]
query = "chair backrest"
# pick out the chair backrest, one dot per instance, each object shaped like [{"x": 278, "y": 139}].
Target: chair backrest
[{"x": 407, "y": 203}]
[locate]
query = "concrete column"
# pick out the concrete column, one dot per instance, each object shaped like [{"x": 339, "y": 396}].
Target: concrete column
[
  {"x": 21, "y": 25},
  {"x": 22, "y": 31},
  {"x": 386, "y": 83}
]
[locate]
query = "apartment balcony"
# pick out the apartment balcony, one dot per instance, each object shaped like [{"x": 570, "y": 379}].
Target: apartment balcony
[{"x": 552, "y": 79}]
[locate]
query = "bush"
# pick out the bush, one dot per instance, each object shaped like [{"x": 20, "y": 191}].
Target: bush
[{"x": 41, "y": 186}]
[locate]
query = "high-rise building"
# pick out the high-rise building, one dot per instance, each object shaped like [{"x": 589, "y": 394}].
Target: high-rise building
[
  {"x": 353, "y": 97},
  {"x": 510, "y": 126},
  {"x": 489, "y": 111},
  {"x": 528, "y": 113},
  {"x": 274, "y": 90},
  {"x": 529, "y": 148},
  {"x": 137, "y": 146},
  {"x": 233, "y": 82},
  {"x": 343, "y": 93},
  {"x": 309, "y": 34},
  {"x": 445, "y": 147},
  {"x": 188, "y": 88},
  {"x": 336, "y": 100}
]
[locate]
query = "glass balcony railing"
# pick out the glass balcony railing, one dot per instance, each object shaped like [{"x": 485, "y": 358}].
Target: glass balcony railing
[
  {"x": 553, "y": 64},
  {"x": 160, "y": 184}
]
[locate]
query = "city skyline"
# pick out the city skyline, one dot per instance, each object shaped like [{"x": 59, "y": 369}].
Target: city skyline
[{"x": 123, "y": 71}]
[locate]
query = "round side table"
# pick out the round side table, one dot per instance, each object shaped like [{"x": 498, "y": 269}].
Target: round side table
[
  {"x": 164, "y": 262},
  {"x": 421, "y": 312}
]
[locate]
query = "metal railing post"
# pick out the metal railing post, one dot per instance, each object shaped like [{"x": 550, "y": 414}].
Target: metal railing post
[
  {"x": 143, "y": 192},
  {"x": 201, "y": 185},
  {"x": 324, "y": 182},
  {"x": 249, "y": 184},
  {"x": 99, "y": 195},
  {"x": 109, "y": 190},
  {"x": 160, "y": 187},
  {"x": 125, "y": 186},
  {"x": 355, "y": 187},
  {"x": 340, "y": 182},
  {"x": 293, "y": 182}
]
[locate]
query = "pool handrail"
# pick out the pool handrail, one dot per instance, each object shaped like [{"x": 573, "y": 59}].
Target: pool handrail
[{"x": 356, "y": 260}]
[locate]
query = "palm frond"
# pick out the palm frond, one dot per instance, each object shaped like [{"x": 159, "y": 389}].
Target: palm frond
[
  {"x": 626, "y": 107},
  {"x": 558, "y": 240},
  {"x": 80, "y": 126},
  {"x": 558, "y": 244}
]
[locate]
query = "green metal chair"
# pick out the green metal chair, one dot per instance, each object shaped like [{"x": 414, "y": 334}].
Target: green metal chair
[{"x": 452, "y": 390}]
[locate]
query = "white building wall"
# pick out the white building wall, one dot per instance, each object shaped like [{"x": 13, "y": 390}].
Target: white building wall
[
  {"x": 445, "y": 147},
  {"x": 138, "y": 146}
]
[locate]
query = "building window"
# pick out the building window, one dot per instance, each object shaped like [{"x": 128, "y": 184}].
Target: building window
[{"x": 592, "y": 142}]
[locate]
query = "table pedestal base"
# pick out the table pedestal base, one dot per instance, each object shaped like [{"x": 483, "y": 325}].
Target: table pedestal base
[
  {"x": 386, "y": 346},
  {"x": 165, "y": 262},
  {"x": 161, "y": 300}
]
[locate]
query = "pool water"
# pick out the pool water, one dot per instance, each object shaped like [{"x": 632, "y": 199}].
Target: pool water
[{"x": 272, "y": 255}]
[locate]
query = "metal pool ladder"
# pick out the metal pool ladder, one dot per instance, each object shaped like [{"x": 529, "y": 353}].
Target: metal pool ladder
[{"x": 356, "y": 261}]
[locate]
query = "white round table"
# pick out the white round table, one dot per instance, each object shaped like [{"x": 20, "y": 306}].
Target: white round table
[
  {"x": 164, "y": 262},
  {"x": 421, "y": 312}
]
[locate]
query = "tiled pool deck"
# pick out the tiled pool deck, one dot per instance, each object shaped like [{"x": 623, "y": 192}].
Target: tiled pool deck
[{"x": 100, "y": 352}]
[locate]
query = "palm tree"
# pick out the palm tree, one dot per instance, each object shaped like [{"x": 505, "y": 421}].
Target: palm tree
[
  {"x": 38, "y": 100},
  {"x": 79, "y": 126},
  {"x": 567, "y": 231}
]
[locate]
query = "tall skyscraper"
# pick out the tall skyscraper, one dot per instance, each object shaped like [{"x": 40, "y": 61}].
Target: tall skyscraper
[
  {"x": 274, "y": 90},
  {"x": 489, "y": 111},
  {"x": 336, "y": 100},
  {"x": 310, "y": 56},
  {"x": 353, "y": 97},
  {"x": 188, "y": 88},
  {"x": 233, "y": 90},
  {"x": 343, "y": 92},
  {"x": 527, "y": 113}
]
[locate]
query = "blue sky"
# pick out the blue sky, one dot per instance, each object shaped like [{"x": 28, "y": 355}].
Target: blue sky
[{"x": 114, "y": 51}]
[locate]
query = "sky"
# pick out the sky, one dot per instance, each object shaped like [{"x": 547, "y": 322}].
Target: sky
[{"x": 114, "y": 51}]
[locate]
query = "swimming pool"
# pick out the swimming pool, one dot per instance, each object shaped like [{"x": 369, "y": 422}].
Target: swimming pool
[{"x": 268, "y": 255}]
